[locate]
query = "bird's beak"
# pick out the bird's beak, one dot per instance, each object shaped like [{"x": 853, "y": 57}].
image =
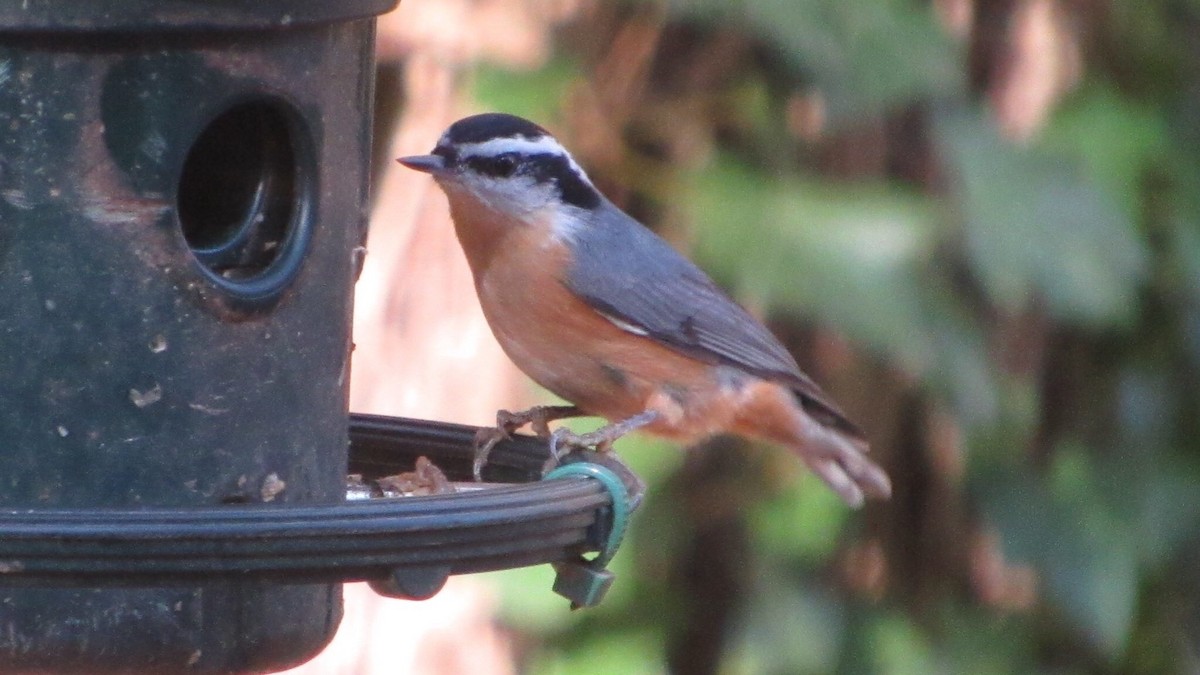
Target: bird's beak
[{"x": 433, "y": 164}]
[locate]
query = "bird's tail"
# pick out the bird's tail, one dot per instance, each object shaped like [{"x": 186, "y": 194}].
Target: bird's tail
[
  {"x": 836, "y": 450},
  {"x": 841, "y": 460}
]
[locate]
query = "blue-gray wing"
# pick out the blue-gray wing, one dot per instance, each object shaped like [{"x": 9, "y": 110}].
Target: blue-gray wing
[{"x": 628, "y": 273}]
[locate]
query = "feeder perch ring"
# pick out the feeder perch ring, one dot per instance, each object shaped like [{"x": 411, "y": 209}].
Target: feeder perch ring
[{"x": 405, "y": 546}]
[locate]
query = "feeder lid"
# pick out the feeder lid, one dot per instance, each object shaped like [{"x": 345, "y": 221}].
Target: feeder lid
[{"x": 159, "y": 15}]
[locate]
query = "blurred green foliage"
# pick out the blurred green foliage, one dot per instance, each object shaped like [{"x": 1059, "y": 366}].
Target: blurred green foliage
[
  {"x": 1043, "y": 296},
  {"x": 866, "y": 57}
]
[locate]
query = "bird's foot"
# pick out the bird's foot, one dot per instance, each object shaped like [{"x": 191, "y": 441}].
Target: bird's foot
[
  {"x": 564, "y": 441},
  {"x": 538, "y": 417}
]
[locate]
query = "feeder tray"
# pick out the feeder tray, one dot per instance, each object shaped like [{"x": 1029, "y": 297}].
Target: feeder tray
[{"x": 405, "y": 546}]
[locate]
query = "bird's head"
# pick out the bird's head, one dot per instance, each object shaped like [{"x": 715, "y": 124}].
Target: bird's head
[{"x": 507, "y": 164}]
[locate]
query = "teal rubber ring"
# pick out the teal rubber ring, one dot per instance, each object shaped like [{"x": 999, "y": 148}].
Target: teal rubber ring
[{"x": 620, "y": 503}]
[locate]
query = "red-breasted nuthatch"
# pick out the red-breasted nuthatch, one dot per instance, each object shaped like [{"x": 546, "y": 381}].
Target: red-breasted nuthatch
[{"x": 599, "y": 310}]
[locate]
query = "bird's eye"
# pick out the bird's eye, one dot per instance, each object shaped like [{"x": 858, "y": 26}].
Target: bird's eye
[{"x": 504, "y": 165}]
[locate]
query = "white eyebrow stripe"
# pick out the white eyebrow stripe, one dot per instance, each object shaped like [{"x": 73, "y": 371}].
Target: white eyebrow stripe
[{"x": 521, "y": 145}]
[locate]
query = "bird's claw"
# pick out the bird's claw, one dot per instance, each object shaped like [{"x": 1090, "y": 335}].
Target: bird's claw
[
  {"x": 538, "y": 417},
  {"x": 486, "y": 439},
  {"x": 564, "y": 441}
]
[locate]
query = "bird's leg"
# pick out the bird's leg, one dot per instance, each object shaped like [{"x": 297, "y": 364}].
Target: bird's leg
[
  {"x": 538, "y": 417},
  {"x": 564, "y": 441}
]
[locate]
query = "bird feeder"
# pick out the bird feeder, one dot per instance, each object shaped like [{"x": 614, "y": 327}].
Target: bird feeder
[{"x": 182, "y": 215}]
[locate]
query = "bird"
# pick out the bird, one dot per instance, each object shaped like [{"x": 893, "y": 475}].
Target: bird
[{"x": 599, "y": 310}]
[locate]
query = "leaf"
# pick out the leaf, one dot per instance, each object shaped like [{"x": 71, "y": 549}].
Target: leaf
[
  {"x": 614, "y": 651},
  {"x": 1036, "y": 226},
  {"x": 534, "y": 95},
  {"x": 805, "y": 521},
  {"x": 1087, "y": 559},
  {"x": 865, "y": 56},
  {"x": 1116, "y": 139},
  {"x": 787, "y": 627},
  {"x": 527, "y": 601},
  {"x": 974, "y": 639},
  {"x": 899, "y": 647},
  {"x": 858, "y": 258},
  {"x": 847, "y": 255}
]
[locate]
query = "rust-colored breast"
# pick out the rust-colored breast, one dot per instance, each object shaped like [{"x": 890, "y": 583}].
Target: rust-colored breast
[{"x": 566, "y": 346}]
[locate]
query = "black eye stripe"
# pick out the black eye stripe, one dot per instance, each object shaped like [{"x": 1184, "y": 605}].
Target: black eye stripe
[
  {"x": 556, "y": 168},
  {"x": 447, "y": 153},
  {"x": 500, "y": 166},
  {"x": 551, "y": 168}
]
